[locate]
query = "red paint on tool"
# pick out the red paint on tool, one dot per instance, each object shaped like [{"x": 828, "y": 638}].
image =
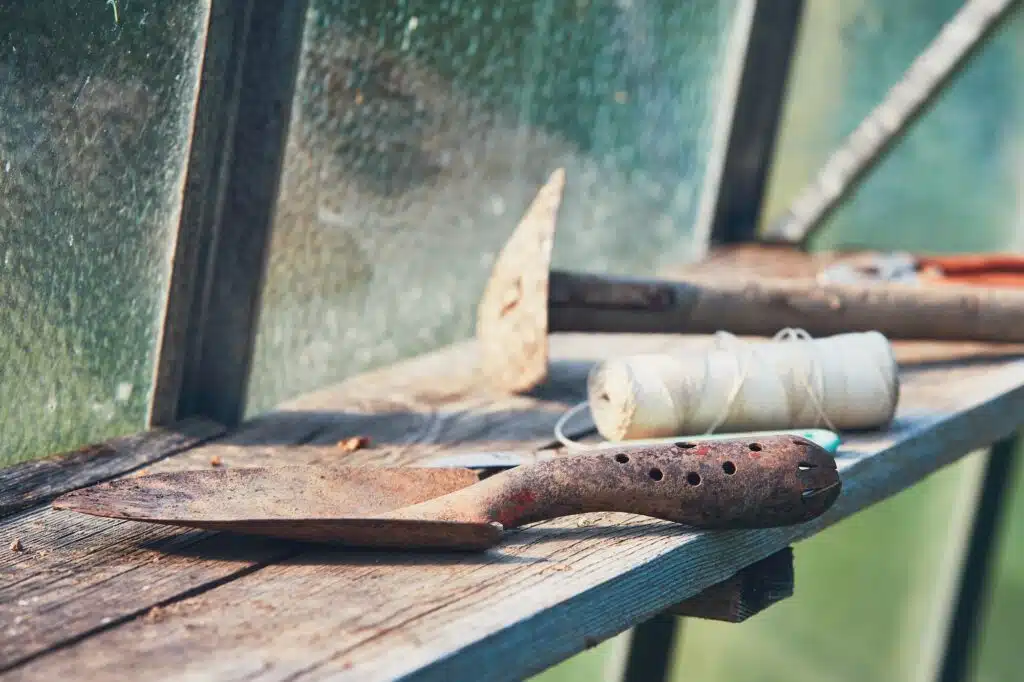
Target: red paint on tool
[
  {"x": 702, "y": 451},
  {"x": 519, "y": 503}
]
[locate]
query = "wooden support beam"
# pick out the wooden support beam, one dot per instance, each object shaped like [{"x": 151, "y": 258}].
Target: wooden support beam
[
  {"x": 212, "y": 309},
  {"x": 747, "y": 593}
]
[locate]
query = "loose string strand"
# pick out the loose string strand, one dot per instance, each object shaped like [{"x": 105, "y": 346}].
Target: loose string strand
[
  {"x": 563, "y": 420},
  {"x": 816, "y": 397}
]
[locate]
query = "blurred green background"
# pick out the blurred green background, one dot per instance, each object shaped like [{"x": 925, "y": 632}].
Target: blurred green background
[
  {"x": 872, "y": 589},
  {"x": 421, "y": 130}
]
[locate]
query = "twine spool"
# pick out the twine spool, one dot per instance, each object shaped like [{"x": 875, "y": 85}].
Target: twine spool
[{"x": 847, "y": 381}]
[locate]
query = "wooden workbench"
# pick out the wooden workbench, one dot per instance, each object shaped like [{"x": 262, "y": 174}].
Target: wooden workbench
[{"x": 98, "y": 599}]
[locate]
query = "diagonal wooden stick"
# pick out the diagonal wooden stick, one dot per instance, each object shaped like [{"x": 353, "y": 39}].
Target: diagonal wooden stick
[{"x": 878, "y": 133}]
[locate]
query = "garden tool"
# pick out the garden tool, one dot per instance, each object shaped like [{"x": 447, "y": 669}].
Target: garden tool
[{"x": 725, "y": 484}]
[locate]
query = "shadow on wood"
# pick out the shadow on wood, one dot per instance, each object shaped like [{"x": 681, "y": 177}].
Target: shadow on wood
[{"x": 747, "y": 593}]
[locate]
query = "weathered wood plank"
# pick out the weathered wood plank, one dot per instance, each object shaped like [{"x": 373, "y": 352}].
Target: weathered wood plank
[
  {"x": 42, "y": 480},
  {"x": 551, "y": 589},
  {"x": 94, "y": 573},
  {"x": 74, "y": 575},
  {"x": 77, "y": 575}
]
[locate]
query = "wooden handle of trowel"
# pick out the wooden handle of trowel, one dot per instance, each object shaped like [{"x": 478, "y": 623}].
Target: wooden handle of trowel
[
  {"x": 739, "y": 483},
  {"x": 762, "y": 306}
]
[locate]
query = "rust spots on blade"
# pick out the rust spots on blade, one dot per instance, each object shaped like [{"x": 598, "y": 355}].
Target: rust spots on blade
[{"x": 273, "y": 493}]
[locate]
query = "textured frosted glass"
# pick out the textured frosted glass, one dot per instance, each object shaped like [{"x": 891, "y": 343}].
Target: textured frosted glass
[
  {"x": 421, "y": 131},
  {"x": 95, "y": 107}
]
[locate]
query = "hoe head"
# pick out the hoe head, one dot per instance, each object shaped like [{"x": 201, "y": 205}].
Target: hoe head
[{"x": 512, "y": 316}]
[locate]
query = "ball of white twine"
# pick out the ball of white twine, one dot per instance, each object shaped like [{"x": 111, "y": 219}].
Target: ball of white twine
[{"x": 847, "y": 381}]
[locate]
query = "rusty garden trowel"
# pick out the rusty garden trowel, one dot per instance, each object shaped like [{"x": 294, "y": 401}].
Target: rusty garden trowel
[{"x": 713, "y": 484}]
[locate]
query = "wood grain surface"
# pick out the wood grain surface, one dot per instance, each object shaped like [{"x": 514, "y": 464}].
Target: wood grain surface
[
  {"x": 88, "y": 574},
  {"x": 231, "y": 608},
  {"x": 38, "y": 481},
  {"x": 745, "y": 303}
]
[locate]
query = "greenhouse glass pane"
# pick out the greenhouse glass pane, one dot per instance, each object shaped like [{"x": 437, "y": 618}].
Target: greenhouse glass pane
[
  {"x": 421, "y": 131},
  {"x": 95, "y": 116}
]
